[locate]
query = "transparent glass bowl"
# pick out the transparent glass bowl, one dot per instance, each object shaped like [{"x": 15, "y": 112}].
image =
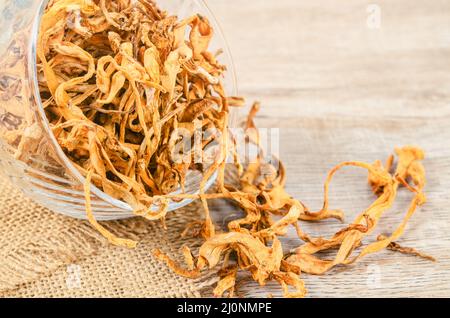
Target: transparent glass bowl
[{"x": 44, "y": 173}]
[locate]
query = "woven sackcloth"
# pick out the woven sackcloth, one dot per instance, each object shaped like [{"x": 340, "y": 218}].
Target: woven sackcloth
[{"x": 43, "y": 254}]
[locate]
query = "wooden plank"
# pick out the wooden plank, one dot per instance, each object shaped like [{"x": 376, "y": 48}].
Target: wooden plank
[{"x": 340, "y": 90}]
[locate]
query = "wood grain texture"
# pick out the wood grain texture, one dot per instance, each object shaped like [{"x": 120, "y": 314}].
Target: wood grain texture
[{"x": 339, "y": 90}]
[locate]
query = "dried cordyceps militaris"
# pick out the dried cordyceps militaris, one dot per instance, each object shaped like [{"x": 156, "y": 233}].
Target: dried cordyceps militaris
[
  {"x": 118, "y": 78},
  {"x": 254, "y": 240}
]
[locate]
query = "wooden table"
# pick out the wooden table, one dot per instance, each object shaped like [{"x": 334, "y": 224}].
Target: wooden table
[{"x": 340, "y": 87}]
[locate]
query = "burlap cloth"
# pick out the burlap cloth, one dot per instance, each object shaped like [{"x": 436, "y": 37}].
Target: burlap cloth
[{"x": 43, "y": 254}]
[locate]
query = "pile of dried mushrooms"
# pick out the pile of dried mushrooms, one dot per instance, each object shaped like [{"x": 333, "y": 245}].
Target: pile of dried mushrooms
[{"x": 119, "y": 78}]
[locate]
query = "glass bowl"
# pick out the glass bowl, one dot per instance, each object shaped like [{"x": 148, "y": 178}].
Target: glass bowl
[{"x": 43, "y": 172}]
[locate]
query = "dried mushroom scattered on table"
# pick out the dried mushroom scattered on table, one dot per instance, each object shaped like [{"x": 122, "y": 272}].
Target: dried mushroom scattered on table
[{"x": 119, "y": 78}]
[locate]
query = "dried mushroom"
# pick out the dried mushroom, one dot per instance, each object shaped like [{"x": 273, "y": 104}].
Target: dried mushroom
[{"x": 118, "y": 79}]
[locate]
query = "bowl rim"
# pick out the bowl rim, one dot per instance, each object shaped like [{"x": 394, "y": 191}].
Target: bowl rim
[{"x": 75, "y": 173}]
